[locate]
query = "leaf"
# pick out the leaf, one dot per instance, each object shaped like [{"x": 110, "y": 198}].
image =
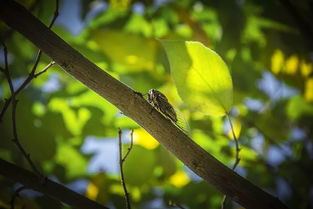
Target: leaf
[
  {"x": 179, "y": 179},
  {"x": 122, "y": 48},
  {"x": 201, "y": 77},
  {"x": 139, "y": 166},
  {"x": 72, "y": 160}
]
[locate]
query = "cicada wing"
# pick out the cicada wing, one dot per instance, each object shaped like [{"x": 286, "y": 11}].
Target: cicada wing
[
  {"x": 166, "y": 108},
  {"x": 181, "y": 122}
]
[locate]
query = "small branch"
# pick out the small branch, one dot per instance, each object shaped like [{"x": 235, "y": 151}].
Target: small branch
[
  {"x": 131, "y": 145},
  {"x": 237, "y": 158},
  {"x": 32, "y": 73},
  {"x": 121, "y": 161},
  {"x": 8, "y": 101},
  {"x": 44, "y": 69},
  {"x": 6, "y": 68},
  {"x": 16, "y": 195},
  {"x": 14, "y": 103}
]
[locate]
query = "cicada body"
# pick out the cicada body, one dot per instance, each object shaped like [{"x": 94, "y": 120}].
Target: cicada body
[{"x": 160, "y": 102}]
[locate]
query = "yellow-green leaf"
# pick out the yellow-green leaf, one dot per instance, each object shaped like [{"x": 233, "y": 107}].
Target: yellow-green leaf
[{"x": 202, "y": 78}]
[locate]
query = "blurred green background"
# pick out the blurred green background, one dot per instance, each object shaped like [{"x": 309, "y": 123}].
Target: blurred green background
[{"x": 71, "y": 132}]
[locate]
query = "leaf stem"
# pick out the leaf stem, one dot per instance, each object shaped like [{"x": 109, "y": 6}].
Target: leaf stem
[{"x": 237, "y": 158}]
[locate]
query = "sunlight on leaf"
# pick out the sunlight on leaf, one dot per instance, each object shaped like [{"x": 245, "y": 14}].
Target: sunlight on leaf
[
  {"x": 143, "y": 138},
  {"x": 306, "y": 68},
  {"x": 291, "y": 65},
  {"x": 308, "y": 94},
  {"x": 123, "y": 49},
  {"x": 74, "y": 163},
  {"x": 74, "y": 121},
  {"x": 120, "y": 5},
  {"x": 97, "y": 188},
  {"x": 92, "y": 191},
  {"x": 179, "y": 179},
  {"x": 237, "y": 129},
  {"x": 38, "y": 109},
  {"x": 298, "y": 107},
  {"x": 201, "y": 77},
  {"x": 116, "y": 189},
  {"x": 277, "y": 61},
  {"x": 136, "y": 193},
  {"x": 247, "y": 155}
]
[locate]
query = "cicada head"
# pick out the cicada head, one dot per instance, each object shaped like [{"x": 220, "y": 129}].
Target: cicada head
[{"x": 151, "y": 95}]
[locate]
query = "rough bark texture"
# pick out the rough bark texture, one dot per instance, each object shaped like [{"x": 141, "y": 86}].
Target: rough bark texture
[{"x": 136, "y": 107}]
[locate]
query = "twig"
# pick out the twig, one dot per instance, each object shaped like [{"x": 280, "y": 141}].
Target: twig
[
  {"x": 174, "y": 204},
  {"x": 44, "y": 69},
  {"x": 14, "y": 104},
  {"x": 131, "y": 145},
  {"x": 237, "y": 158},
  {"x": 32, "y": 73},
  {"x": 20, "y": 88},
  {"x": 15, "y": 195},
  {"x": 121, "y": 161},
  {"x": 236, "y": 143},
  {"x": 6, "y": 68}
]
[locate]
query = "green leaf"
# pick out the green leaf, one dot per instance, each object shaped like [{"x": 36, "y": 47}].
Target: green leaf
[
  {"x": 122, "y": 48},
  {"x": 139, "y": 166},
  {"x": 201, "y": 77},
  {"x": 298, "y": 107},
  {"x": 72, "y": 160}
]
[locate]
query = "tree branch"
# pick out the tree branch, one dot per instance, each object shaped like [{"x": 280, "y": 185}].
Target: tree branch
[
  {"x": 121, "y": 162},
  {"x": 137, "y": 108},
  {"x": 50, "y": 188}
]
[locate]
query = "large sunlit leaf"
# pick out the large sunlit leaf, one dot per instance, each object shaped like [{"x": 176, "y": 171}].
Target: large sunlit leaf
[{"x": 202, "y": 78}]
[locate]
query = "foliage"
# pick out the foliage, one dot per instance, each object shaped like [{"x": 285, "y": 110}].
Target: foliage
[
  {"x": 201, "y": 77},
  {"x": 71, "y": 132}
]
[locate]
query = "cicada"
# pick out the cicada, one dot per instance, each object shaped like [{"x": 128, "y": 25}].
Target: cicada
[{"x": 161, "y": 103}]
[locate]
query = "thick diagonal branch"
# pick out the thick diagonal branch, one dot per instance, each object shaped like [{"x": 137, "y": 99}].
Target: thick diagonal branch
[{"x": 137, "y": 108}]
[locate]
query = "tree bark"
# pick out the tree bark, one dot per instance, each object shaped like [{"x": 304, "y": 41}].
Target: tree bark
[
  {"x": 50, "y": 188},
  {"x": 134, "y": 106}
]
